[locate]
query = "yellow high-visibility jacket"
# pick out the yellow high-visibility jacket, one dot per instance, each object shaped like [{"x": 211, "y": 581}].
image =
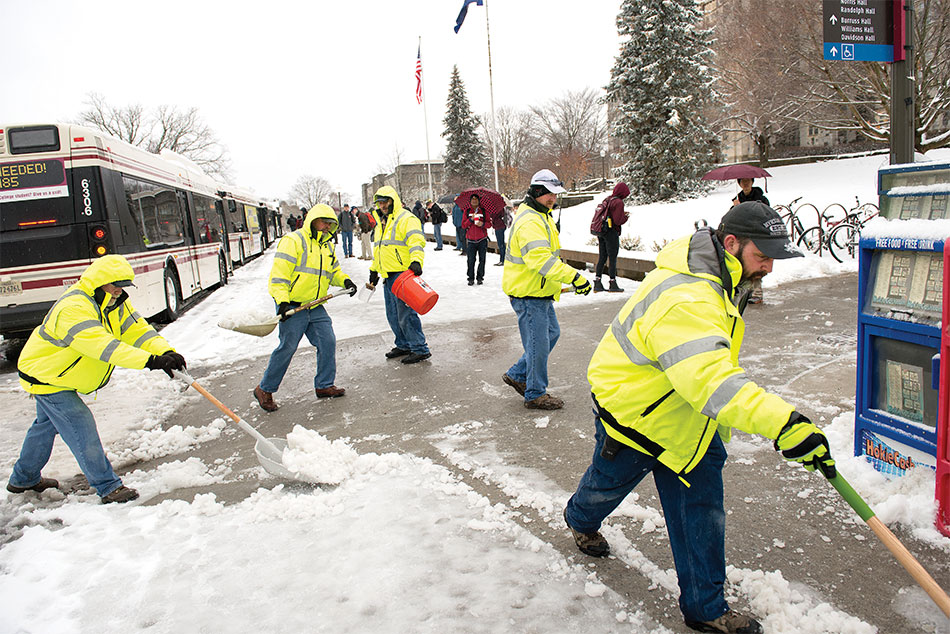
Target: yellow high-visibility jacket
[
  {"x": 82, "y": 338},
  {"x": 533, "y": 267},
  {"x": 399, "y": 241},
  {"x": 304, "y": 264},
  {"x": 666, "y": 373}
]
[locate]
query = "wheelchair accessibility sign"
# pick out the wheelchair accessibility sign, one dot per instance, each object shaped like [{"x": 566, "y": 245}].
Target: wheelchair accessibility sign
[{"x": 847, "y": 52}]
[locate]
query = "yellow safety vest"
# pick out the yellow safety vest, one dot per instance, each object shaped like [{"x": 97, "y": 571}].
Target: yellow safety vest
[
  {"x": 666, "y": 373},
  {"x": 533, "y": 267},
  {"x": 305, "y": 265},
  {"x": 399, "y": 241},
  {"x": 82, "y": 338}
]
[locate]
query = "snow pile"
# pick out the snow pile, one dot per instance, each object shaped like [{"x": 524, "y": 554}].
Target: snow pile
[{"x": 317, "y": 459}]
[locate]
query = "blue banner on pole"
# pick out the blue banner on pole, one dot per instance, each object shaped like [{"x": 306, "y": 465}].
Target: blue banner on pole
[
  {"x": 859, "y": 52},
  {"x": 464, "y": 12}
]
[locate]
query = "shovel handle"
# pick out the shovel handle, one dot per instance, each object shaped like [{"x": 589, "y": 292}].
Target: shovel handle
[
  {"x": 221, "y": 406},
  {"x": 900, "y": 552},
  {"x": 316, "y": 302}
]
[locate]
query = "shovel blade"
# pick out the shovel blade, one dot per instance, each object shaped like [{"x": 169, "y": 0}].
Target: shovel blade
[
  {"x": 258, "y": 330},
  {"x": 271, "y": 456}
]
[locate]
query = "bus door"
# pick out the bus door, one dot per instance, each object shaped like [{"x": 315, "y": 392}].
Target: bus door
[
  {"x": 209, "y": 238},
  {"x": 237, "y": 232},
  {"x": 253, "y": 228},
  {"x": 187, "y": 258}
]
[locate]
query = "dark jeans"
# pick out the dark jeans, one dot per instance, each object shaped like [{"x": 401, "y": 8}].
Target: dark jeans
[
  {"x": 500, "y": 239},
  {"x": 695, "y": 519},
  {"x": 459, "y": 239},
  {"x": 480, "y": 248},
  {"x": 347, "y": 243},
  {"x": 609, "y": 244}
]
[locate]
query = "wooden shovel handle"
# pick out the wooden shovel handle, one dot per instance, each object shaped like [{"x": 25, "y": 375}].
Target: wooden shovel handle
[
  {"x": 314, "y": 302},
  {"x": 221, "y": 406}
]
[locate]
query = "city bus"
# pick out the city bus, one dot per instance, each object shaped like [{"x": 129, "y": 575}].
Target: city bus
[{"x": 69, "y": 194}]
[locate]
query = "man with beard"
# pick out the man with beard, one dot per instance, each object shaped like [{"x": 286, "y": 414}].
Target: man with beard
[{"x": 667, "y": 391}]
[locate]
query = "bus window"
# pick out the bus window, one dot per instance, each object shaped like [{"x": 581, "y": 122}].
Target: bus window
[
  {"x": 157, "y": 213},
  {"x": 209, "y": 221}
]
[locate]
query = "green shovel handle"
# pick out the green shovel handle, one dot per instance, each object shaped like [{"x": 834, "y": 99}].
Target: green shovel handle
[{"x": 851, "y": 497}]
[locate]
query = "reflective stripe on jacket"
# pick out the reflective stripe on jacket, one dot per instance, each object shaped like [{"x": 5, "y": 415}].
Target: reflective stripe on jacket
[
  {"x": 305, "y": 265},
  {"x": 533, "y": 267},
  {"x": 667, "y": 369},
  {"x": 82, "y": 338},
  {"x": 399, "y": 241}
]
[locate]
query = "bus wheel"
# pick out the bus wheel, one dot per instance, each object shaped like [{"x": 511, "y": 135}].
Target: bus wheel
[
  {"x": 222, "y": 270},
  {"x": 172, "y": 296}
]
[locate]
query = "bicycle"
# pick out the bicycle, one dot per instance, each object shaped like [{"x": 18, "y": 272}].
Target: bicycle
[
  {"x": 791, "y": 217},
  {"x": 841, "y": 236}
]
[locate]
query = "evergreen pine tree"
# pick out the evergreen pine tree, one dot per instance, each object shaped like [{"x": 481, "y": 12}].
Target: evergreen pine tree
[
  {"x": 661, "y": 90},
  {"x": 464, "y": 154}
]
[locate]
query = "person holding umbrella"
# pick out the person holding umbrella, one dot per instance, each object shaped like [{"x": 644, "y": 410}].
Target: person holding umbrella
[
  {"x": 476, "y": 224},
  {"x": 532, "y": 279}
]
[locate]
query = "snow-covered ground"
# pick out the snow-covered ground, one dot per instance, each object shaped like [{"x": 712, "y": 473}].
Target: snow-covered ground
[{"x": 401, "y": 544}]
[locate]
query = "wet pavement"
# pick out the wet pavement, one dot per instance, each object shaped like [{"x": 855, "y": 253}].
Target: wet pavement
[{"x": 455, "y": 410}]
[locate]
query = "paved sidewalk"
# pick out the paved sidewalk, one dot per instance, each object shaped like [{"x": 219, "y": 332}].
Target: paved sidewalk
[{"x": 456, "y": 411}]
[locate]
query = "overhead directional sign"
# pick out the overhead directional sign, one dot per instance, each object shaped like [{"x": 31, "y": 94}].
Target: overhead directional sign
[{"x": 859, "y": 30}]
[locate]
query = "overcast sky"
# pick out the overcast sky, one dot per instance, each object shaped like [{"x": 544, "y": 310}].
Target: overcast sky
[{"x": 291, "y": 88}]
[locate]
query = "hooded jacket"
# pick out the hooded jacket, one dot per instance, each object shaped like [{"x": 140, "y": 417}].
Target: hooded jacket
[
  {"x": 82, "y": 338},
  {"x": 305, "y": 265},
  {"x": 533, "y": 267},
  {"x": 616, "y": 215},
  {"x": 398, "y": 237},
  {"x": 666, "y": 373}
]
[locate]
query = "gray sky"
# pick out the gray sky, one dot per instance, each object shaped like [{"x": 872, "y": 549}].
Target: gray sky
[{"x": 325, "y": 88}]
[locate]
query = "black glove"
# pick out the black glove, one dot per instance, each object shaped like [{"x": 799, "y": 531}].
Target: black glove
[
  {"x": 350, "y": 286},
  {"x": 416, "y": 268},
  {"x": 581, "y": 285},
  {"x": 166, "y": 362},
  {"x": 801, "y": 441},
  {"x": 282, "y": 309},
  {"x": 373, "y": 278}
]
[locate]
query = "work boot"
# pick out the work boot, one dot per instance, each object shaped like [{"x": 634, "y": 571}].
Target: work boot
[
  {"x": 265, "y": 399},
  {"x": 598, "y": 285},
  {"x": 396, "y": 352},
  {"x": 416, "y": 357},
  {"x": 613, "y": 288},
  {"x": 120, "y": 495},
  {"x": 39, "y": 487},
  {"x": 520, "y": 386},
  {"x": 592, "y": 544},
  {"x": 329, "y": 392},
  {"x": 545, "y": 401},
  {"x": 732, "y": 622}
]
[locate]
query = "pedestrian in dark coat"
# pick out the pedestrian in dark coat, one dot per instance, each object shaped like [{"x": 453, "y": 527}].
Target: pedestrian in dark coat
[
  {"x": 436, "y": 217},
  {"x": 609, "y": 241},
  {"x": 457, "y": 216},
  {"x": 746, "y": 194}
]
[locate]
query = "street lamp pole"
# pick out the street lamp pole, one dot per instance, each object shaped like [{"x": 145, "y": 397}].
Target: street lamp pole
[{"x": 603, "y": 165}]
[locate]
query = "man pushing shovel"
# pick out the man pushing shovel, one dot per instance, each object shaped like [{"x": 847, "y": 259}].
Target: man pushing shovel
[
  {"x": 668, "y": 389},
  {"x": 304, "y": 268}
]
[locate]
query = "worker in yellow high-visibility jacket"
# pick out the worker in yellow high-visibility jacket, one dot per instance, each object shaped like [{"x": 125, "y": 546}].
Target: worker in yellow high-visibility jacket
[
  {"x": 667, "y": 391},
  {"x": 90, "y": 329},
  {"x": 532, "y": 280}
]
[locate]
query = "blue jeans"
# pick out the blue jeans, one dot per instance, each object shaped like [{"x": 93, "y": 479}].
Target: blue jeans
[
  {"x": 500, "y": 240},
  {"x": 347, "y": 243},
  {"x": 437, "y": 231},
  {"x": 695, "y": 519},
  {"x": 317, "y": 325},
  {"x": 539, "y": 332},
  {"x": 64, "y": 413},
  {"x": 403, "y": 321},
  {"x": 477, "y": 249},
  {"x": 459, "y": 239}
]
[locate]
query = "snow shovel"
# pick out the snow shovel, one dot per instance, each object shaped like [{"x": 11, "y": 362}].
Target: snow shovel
[
  {"x": 270, "y": 451},
  {"x": 267, "y": 327},
  {"x": 366, "y": 293},
  {"x": 900, "y": 552}
]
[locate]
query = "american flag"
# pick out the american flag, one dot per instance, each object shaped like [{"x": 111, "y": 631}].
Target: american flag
[{"x": 419, "y": 74}]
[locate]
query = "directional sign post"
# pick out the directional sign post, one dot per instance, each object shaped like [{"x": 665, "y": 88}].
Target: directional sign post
[{"x": 859, "y": 30}]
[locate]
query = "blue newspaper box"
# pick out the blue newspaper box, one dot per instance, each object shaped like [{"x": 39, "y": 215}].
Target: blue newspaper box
[{"x": 900, "y": 304}]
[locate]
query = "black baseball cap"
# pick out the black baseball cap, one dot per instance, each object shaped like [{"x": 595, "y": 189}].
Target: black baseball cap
[
  {"x": 123, "y": 283},
  {"x": 763, "y": 225}
]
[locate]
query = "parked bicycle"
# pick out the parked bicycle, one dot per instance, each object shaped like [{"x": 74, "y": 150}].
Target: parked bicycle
[
  {"x": 791, "y": 216},
  {"x": 839, "y": 236}
]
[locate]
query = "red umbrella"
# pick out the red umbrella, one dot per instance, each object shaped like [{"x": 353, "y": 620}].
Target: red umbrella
[
  {"x": 488, "y": 199},
  {"x": 732, "y": 172}
]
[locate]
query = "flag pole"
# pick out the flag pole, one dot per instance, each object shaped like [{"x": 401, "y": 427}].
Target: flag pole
[
  {"x": 425, "y": 119},
  {"x": 491, "y": 92}
]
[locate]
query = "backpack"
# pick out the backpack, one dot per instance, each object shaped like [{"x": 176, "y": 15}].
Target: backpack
[
  {"x": 599, "y": 224},
  {"x": 366, "y": 221}
]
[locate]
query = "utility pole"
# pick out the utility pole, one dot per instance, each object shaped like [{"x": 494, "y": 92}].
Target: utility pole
[{"x": 903, "y": 89}]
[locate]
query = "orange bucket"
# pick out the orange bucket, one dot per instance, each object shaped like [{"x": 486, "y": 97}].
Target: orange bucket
[{"x": 413, "y": 290}]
